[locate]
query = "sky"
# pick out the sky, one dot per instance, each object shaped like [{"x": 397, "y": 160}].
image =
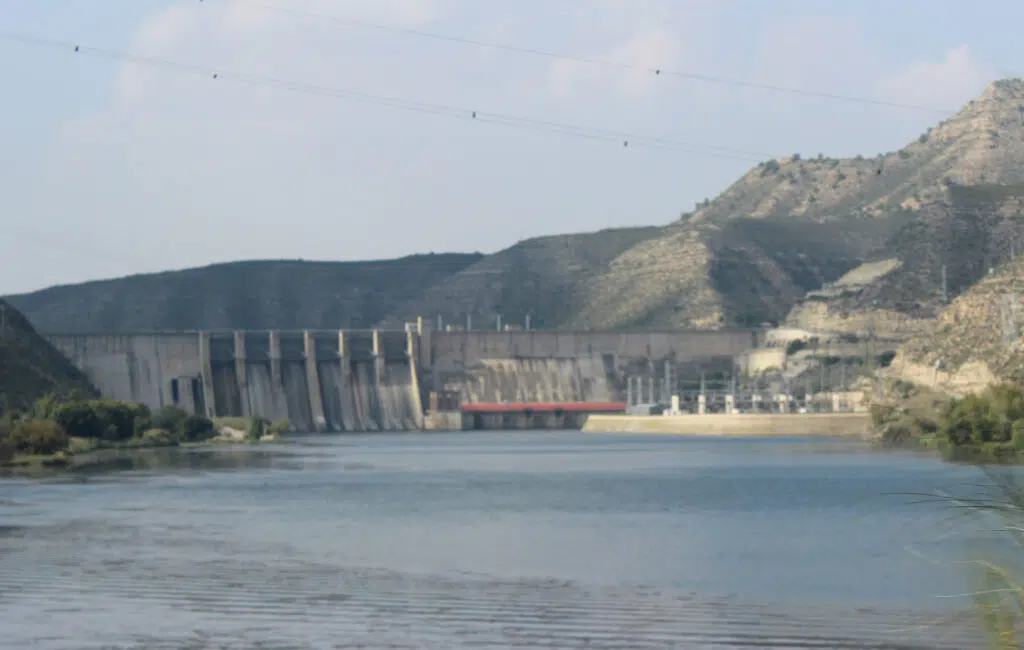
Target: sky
[{"x": 320, "y": 138}]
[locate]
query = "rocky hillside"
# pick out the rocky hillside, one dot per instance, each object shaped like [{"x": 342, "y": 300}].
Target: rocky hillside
[
  {"x": 942, "y": 249},
  {"x": 242, "y": 295},
  {"x": 789, "y": 226},
  {"x": 978, "y": 339},
  {"x": 982, "y": 144},
  {"x": 30, "y": 367},
  {"x": 823, "y": 243}
]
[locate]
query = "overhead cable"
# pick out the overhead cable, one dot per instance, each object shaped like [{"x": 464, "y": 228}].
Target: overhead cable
[
  {"x": 663, "y": 72},
  {"x": 624, "y": 139}
]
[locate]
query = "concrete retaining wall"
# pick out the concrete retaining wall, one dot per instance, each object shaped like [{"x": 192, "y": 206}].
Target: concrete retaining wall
[{"x": 776, "y": 424}]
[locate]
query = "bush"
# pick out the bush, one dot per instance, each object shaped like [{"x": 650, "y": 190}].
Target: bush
[
  {"x": 1018, "y": 435},
  {"x": 158, "y": 438},
  {"x": 42, "y": 437},
  {"x": 970, "y": 421},
  {"x": 257, "y": 427},
  {"x": 994, "y": 416},
  {"x": 79, "y": 419},
  {"x": 168, "y": 418},
  {"x": 196, "y": 428}
]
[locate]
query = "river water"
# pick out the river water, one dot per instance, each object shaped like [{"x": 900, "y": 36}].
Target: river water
[{"x": 497, "y": 540}]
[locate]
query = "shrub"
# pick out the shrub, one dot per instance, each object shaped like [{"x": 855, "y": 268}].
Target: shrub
[
  {"x": 80, "y": 419},
  {"x": 1018, "y": 435},
  {"x": 38, "y": 437},
  {"x": 257, "y": 426},
  {"x": 168, "y": 418},
  {"x": 121, "y": 420},
  {"x": 970, "y": 421},
  {"x": 196, "y": 428},
  {"x": 158, "y": 438}
]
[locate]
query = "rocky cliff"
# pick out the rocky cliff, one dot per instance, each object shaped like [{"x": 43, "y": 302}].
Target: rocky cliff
[{"x": 976, "y": 340}]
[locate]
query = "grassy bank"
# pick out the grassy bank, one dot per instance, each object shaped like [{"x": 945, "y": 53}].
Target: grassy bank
[{"x": 55, "y": 433}]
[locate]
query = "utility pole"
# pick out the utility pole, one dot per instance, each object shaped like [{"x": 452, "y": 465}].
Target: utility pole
[{"x": 945, "y": 294}]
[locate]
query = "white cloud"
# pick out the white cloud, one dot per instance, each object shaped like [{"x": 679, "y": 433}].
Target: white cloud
[{"x": 945, "y": 84}]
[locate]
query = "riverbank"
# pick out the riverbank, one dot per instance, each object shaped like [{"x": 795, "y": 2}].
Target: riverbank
[
  {"x": 81, "y": 451},
  {"x": 830, "y": 425}
]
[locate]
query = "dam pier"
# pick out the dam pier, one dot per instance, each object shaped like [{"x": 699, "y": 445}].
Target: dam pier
[{"x": 394, "y": 380}]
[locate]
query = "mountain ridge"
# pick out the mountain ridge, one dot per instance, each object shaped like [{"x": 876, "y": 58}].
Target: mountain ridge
[{"x": 770, "y": 248}]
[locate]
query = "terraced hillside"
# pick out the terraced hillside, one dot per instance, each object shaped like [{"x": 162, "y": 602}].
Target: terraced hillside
[{"x": 30, "y": 367}]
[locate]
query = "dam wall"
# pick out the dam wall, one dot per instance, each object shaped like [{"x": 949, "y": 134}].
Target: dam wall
[
  {"x": 553, "y": 366},
  {"x": 317, "y": 380},
  {"x": 376, "y": 380}
]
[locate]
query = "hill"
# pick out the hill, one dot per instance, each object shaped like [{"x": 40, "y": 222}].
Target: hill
[
  {"x": 540, "y": 277},
  {"x": 841, "y": 244},
  {"x": 940, "y": 251},
  {"x": 792, "y": 225},
  {"x": 976, "y": 340},
  {"x": 30, "y": 367},
  {"x": 242, "y": 295}
]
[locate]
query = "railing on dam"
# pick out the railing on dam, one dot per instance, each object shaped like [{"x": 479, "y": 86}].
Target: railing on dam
[{"x": 317, "y": 380}]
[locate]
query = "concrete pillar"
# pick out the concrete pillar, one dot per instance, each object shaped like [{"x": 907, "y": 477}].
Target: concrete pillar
[
  {"x": 629, "y": 391},
  {"x": 381, "y": 378},
  {"x": 280, "y": 403},
  {"x": 316, "y": 401},
  {"x": 241, "y": 375},
  {"x": 836, "y": 406},
  {"x": 702, "y": 404},
  {"x": 675, "y": 405},
  {"x": 419, "y": 324},
  {"x": 350, "y": 420},
  {"x": 730, "y": 404},
  {"x": 650, "y": 385},
  {"x": 275, "y": 360},
  {"x": 417, "y": 398},
  {"x": 206, "y": 375},
  {"x": 783, "y": 403}
]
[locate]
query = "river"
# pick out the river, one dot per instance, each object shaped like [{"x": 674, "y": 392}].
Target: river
[{"x": 496, "y": 540}]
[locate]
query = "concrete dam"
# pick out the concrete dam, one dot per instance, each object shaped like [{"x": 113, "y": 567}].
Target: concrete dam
[{"x": 376, "y": 380}]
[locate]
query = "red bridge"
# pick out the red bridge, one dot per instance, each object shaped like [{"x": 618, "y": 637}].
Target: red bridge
[
  {"x": 534, "y": 415},
  {"x": 545, "y": 407}
]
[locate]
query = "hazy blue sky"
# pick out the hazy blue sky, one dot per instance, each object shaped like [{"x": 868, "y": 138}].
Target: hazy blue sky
[{"x": 109, "y": 168}]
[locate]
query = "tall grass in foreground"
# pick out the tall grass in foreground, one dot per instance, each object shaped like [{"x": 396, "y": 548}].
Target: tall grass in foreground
[{"x": 999, "y": 597}]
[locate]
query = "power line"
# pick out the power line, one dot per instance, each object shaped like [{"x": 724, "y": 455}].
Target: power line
[
  {"x": 692, "y": 76},
  {"x": 619, "y": 137}
]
